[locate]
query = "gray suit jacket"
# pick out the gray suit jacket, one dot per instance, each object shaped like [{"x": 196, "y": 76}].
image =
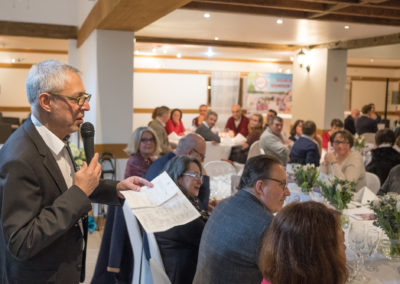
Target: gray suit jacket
[
  {"x": 231, "y": 241},
  {"x": 40, "y": 239},
  {"x": 207, "y": 134}
]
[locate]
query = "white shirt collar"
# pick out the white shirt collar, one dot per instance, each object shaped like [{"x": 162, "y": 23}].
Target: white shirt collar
[
  {"x": 205, "y": 123},
  {"x": 52, "y": 141}
]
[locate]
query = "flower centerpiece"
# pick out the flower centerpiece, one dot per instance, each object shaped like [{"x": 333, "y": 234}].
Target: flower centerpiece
[
  {"x": 387, "y": 209},
  {"x": 306, "y": 177},
  {"x": 338, "y": 192},
  {"x": 78, "y": 154},
  {"x": 359, "y": 142}
]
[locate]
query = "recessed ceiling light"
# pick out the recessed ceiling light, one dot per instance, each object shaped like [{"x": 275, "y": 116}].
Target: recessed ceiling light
[
  {"x": 179, "y": 55},
  {"x": 216, "y": 38},
  {"x": 165, "y": 51},
  {"x": 291, "y": 58},
  {"x": 210, "y": 52},
  {"x": 137, "y": 52},
  {"x": 279, "y": 70},
  {"x": 279, "y": 21},
  {"x": 346, "y": 27},
  {"x": 371, "y": 60},
  {"x": 288, "y": 71},
  {"x": 206, "y": 15},
  {"x": 154, "y": 50},
  {"x": 13, "y": 60}
]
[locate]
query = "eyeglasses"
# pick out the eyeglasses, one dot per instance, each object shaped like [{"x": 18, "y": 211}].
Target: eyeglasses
[
  {"x": 144, "y": 140},
  {"x": 80, "y": 100},
  {"x": 282, "y": 184},
  {"x": 202, "y": 156},
  {"x": 337, "y": 142},
  {"x": 195, "y": 176}
]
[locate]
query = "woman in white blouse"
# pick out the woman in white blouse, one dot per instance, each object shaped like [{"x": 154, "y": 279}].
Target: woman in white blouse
[{"x": 343, "y": 162}]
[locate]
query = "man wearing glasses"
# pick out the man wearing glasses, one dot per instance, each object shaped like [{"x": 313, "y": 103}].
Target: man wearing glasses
[
  {"x": 233, "y": 234},
  {"x": 43, "y": 200}
]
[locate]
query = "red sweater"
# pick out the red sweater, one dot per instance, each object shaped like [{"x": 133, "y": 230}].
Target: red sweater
[
  {"x": 325, "y": 140},
  {"x": 177, "y": 128},
  {"x": 242, "y": 127}
]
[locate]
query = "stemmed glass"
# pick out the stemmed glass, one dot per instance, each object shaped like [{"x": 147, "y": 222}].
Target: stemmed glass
[
  {"x": 358, "y": 244},
  {"x": 373, "y": 237}
]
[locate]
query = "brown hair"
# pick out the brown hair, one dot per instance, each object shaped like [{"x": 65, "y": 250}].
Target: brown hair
[
  {"x": 345, "y": 134},
  {"x": 293, "y": 130},
  {"x": 260, "y": 121},
  {"x": 301, "y": 246}
]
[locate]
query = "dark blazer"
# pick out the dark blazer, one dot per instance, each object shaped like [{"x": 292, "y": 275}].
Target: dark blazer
[
  {"x": 231, "y": 241},
  {"x": 383, "y": 160},
  {"x": 40, "y": 239},
  {"x": 207, "y": 134},
  {"x": 365, "y": 124},
  {"x": 304, "y": 151},
  {"x": 242, "y": 127},
  {"x": 158, "y": 166},
  {"x": 349, "y": 124}
]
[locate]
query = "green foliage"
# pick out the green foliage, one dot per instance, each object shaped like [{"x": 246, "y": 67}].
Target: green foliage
[
  {"x": 359, "y": 142},
  {"x": 306, "y": 177},
  {"x": 338, "y": 192},
  {"x": 77, "y": 154}
]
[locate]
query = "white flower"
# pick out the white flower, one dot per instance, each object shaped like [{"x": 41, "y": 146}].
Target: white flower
[{"x": 339, "y": 188}]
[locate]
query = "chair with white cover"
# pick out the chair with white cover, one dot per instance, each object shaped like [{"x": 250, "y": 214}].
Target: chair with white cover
[
  {"x": 255, "y": 150},
  {"x": 141, "y": 267},
  {"x": 156, "y": 263},
  {"x": 220, "y": 173},
  {"x": 373, "y": 182},
  {"x": 219, "y": 168},
  {"x": 369, "y": 137}
]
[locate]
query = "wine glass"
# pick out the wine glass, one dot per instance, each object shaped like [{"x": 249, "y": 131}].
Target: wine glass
[
  {"x": 373, "y": 237},
  {"x": 357, "y": 244}
]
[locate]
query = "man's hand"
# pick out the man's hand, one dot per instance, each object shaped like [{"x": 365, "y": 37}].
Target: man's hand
[
  {"x": 132, "y": 183},
  {"x": 87, "y": 178}
]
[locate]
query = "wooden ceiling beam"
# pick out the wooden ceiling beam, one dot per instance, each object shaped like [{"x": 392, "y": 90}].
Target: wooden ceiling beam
[
  {"x": 362, "y": 42},
  {"x": 370, "y": 12},
  {"x": 222, "y": 43},
  {"x": 125, "y": 15},
  {"x": 37, "y": 30}
]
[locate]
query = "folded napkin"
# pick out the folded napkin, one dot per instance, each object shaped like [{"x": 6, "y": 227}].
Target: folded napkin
[
  {"x": 364, "y": 195},
  {"x": 239, "y": 139}
]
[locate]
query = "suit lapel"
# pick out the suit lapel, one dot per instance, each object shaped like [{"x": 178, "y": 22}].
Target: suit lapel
[{"x": 48, "y": 160}]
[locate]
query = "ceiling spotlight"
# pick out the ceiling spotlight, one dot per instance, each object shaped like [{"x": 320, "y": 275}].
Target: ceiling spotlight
[
  {"x": 13, "y": 60},
  {"x": 346, "y": 27},
  {"x": 210, "y": 52},
  {"x": 279, "y": 21},
  {"x": 280, "y": 70},
  {"x": 165, "y": 51},
  {"x": 206, "y": 15},
  {"x": 216, "y": 38},
  {"x": 137, "y": 52},
  {"x": 179, "y": 55},
  {"x": 154, "y": 50},
  {"x": 291, "y": 58}
]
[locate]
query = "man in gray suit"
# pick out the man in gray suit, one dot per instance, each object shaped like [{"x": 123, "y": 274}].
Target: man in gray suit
[
  {"x": 232, "y": 237},
  {"x": 204, "y": 128},
  {"x": 43, "y": 200}
]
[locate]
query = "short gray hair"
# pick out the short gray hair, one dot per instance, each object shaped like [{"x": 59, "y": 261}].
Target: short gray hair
[
  {"x": 134, "y": 141},
  {"x": 188, "y": 142},
  {"x": 46, "y": 76},
  {"x": 211, "y": 112},
  {"x": 179, "y": 165}
]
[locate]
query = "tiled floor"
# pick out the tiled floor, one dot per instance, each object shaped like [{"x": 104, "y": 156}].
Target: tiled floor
[{"x": 94, "y": 241}]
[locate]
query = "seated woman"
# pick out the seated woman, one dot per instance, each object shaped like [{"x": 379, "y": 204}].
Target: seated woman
[
  {"x": 160, "y": 117},
  {"x": 304, "y": 244},
  {"x": 343, "y": 162},
  {"x": 179, "y": 246},
  {"x": 239, "y": 153},
  {"x": 384, "y": 157},
  {"x": 336, "y": 124},
  {"x": 296, "y": 131},
  {"x": 115, "y": 260},
  {"x": 174, "y": 123}
]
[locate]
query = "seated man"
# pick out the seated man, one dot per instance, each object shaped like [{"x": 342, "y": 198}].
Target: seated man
[
  {"x": 204, "y": 129},
  {"x": 202, "y": 114},
  {"x": 237, "y": 123},
  {"x": 232, "y": 237},
  {"x": 305, "y": 149},
  {"x": 191, "y": 145},
  {"x": 392, "y": 183},
  {"x": 365, "y": 124},
  {"x": 350, "y": 121},
  {"x": 270, "y": 114},
  {"x": 272, "y": 141}
]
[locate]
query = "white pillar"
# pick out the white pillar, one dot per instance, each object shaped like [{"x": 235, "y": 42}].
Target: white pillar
[{"x": 319, "y": 94}]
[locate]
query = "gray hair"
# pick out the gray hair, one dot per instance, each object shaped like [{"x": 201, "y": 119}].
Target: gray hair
[
  {"x": 278, "y": 118},
  {"x": 211, "y": 112},
  {"x": 134, "y": 141},
  {"x": 179, "y": 165},
  {"x": 47, "y": 76},
  {"x": 188, "y": 142}
]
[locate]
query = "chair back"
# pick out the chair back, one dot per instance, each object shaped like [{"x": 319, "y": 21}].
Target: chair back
[
  {"x": 373, "y": 182},
  {"x": 219, "y": 168},
  {"x": 156, "y": 263},
  {"x": 254, "y": 150},
  {"x": 369, "y": 137}
]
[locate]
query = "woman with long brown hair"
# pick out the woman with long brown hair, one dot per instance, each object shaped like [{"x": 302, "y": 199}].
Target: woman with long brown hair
[{"x": 304, "y": 244}]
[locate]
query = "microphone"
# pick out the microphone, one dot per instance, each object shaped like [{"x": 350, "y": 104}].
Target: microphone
[{"x": 87, "y": 133}]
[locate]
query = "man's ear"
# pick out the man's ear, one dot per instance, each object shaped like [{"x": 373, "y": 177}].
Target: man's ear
[
  {"x": 259, "y": 187},
  {"x": 45, "y": 101}
]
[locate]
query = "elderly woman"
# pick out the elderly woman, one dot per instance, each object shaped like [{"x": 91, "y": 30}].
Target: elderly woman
[
  {"x": 160, "y": 117},
  {"x": 174, "y": 123},
  {"x": 179, "y": 246},
  {"x": 343, "y": 162},
  {"x": 304, "y": 244}
]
